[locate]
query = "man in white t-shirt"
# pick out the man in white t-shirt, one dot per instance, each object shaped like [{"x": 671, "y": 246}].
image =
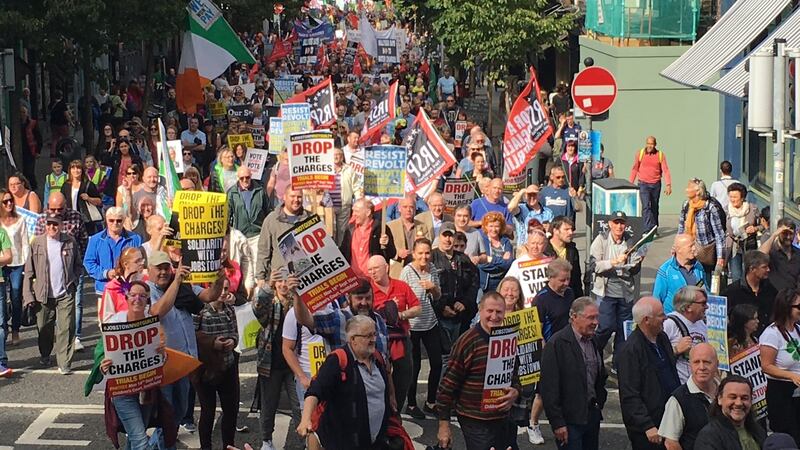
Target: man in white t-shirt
[
  {"x": 300, "y": 346},
  {"x": 446, "y": 85},
  {"x": 685, "y": 326}
]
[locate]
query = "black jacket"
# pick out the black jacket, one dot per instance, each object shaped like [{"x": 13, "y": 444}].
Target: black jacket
[
  {"x": 641, "y": 395},
  {"x": 459, "y": 281},
  {"x": 574, "y": 258},
  {"x": 86, "y": 187},
  {"x": 563, "y": 381},
  {"x": 374, "y": 242},
  {"x": 720, "y": 434},
  {"x": 741, "y": 292}
]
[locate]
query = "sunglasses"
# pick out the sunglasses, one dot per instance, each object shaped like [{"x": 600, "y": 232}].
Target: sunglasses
[
  {"x": 114, "y": 220},
  {"x": 8, "y": 201},
  {"x": 130, "y": 173},
  {"x": 52, "y": 224},
  {"x": 187, "y": 153}
]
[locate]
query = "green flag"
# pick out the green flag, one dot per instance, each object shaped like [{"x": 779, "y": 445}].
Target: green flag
[{"x": 432, "y": 85}]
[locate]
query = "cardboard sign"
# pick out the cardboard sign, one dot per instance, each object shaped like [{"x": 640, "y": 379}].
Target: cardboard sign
[
  {"x": 275, "y": 135},
  {"x": 175, "y": 149},
  {"x": 385, "y": 171},
  {"x": 203, "y": 222},
  {"x": 316, "y": 356},
  {"x": 532, "y": 275},
  {"x": 717, "y": 321},
  {"x": 243, "y": 139},
  {"x": 311, "y": 160},
  {"x": 513, "y": 183},
  {"x": 241, "y": 112},
  {"x": 296, "y": 118},
  {"x": 259, "y": 135},
  {"x": 311, "y": 253},
  {"x": 256, "y": 160},
  {"x": 748, "y": 365},
  {"x": 457, "y": 192},
  {"x": 584, "y": 146},
  {"x": 284, "y": 88},
  {"x": 217, "y": 109},
  {"x": 461, "y": 128},
  {"x": 387, "y": 51},
  {"x": 529, "y": 344},
  {"x": 499, "y": 366},
  {"x": 132, "y": 347}
]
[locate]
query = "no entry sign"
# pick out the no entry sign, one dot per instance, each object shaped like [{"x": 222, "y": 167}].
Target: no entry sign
[{"x": 594, "y": 90}]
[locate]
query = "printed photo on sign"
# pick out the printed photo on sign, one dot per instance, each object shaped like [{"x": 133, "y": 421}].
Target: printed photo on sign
[
  {"x": 202, "y": 224},
  {"x": 256, "y": 160},
  {"x": 297, "y": 261},
  {"x": 529, "y": 344},
  {"x": 385, "y": 171},
  {"x": 748, "y": 365},
  {"x": 329, "y": 275},
  {"x": 457, "y": 192},
  {"x": 175, "y": 149},
  {"x": 136, "y": 363},
  {"x": 500, "y": 366},
  {"x": 717, "y": 321},
  {"x": 311, "y": 160}
]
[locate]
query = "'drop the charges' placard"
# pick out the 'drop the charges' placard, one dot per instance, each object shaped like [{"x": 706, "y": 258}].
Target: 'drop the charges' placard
[
  {"x": 529, "y": 344},
  {"x": 311, "y": 254},
  {"x": 311, "y": 160},
  {"x": 500, "y": 365},
  {"x": 457, "y": 192},
  {"x": 203, "y": 218},
  {"x": 132, "y": 347}
]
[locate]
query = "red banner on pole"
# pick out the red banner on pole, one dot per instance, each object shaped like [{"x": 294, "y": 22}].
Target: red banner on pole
[{"x": 527, "y": 129}]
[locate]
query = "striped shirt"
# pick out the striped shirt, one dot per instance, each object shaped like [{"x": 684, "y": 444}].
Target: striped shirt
[{"x": 427, "y": 319}]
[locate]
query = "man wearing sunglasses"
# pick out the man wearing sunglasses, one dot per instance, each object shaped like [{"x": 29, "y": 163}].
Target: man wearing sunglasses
[
  {"x": 555, "y": 195},
  {"x": 51, "y": 278},
  {"x": 248, "y": 206}
]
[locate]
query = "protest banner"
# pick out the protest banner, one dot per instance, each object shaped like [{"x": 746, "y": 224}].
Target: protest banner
[
  {"x": 527, "y": 128},
  {"x": 316, "y": 356},
  {"x": 30, "y": 218},
  {"x": 458, "y": 136},
  {"x": 311, "y": 254},
  {"x": 242, "y": 113},
  {"x": 428, "y": 155},
  {"x": 217, "y": 109},
  {"x": 385, "y": 171},
  {"x": 132, "y": 347},
  {"x": 247, "y": 325},
  {"x": 529, "y": 344},
  {"x": 275, "y": 135},
  {"x": 295, "y": 118},
  {"x": 387, "y": 51},
  {"x": 457, "y": 192},
  {"x": 500, "y": 364},
  {"x": 584, "y": 146},
  {"x": 256, "y": 160},
  {"x": 284, "y": 88},
  {"x": 321, "y": 101},
  {"x": 717, "y": 321},
  {"x": 245, "y": 139},
  {"x": 748, "y": 364},
  {"x": 259, "y": 135},
  {"x": 532, "y": 275},
  {"x": 311, "y": 160},
  {"x": 203, "y": 222},
  {"x": 384, "y": 111}
]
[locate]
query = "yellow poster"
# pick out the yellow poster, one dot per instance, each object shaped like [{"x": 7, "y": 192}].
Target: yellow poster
[
  {"x": 203, "y": 222},
  {"x": 218, "y": 109},
  {"x": 236, "y": 139},
  {"x": 529, "y": 344},
  {"x": 316, "y": 356}
]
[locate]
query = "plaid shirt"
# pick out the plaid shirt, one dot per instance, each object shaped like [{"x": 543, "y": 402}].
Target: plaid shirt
[
  {"x": 708, "y": 222},
  {"x": 72, "y": 225},
  {"x": 269, "y": 311},
  {"x": 330, "y": 324},
  {"x": 218, "y": 323}
]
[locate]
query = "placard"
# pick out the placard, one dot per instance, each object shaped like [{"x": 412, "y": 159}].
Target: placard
[
  {"x": 283, "y": 89},
  {"x": 132, "y": 347},
  {"x": 256, "y": 160},
  {"x": 387, "y": 51},
  {"x": 203, "y": 222},
  {"x": 385, "y": 171},
  {"x": 241, "y": 112},
  {"x": 461, "y": 128},
  {"x": 748, "y": 365},
  {"x": 296, "y": 118},
  {"x": 584, "y": 146},
  {"x": 457, "y": 192},
  {"x": 529, "y": 344},
  {"x": 532, "y": 275},
  {"x": 245, "y": 139},
  {"x": 311, "y": 160},
  {"x": 717, "y": 321},
  {"x": 316, "y": 356},
  {"x": 259, "y": 135},
  {"x": 311, "y": 253},
  {"x": 275, "y": 135},
  {"x": 513, "y": 183},
  {"x": 217, "y": 109},
  {"x": 499, "y": 366},
  {"x": 175, "y": 149}
]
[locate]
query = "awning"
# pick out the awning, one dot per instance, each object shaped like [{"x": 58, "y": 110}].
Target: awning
[
  {"x": 732, "y": 33},
  {"x": 733, "y": 82}
]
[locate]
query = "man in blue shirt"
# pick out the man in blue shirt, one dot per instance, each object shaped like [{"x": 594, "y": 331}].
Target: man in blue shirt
[
  {"x": 568, "y": 130},
  {"x": 556, "y": 195},
  {"x": 526, "y": 211},
  {"x": 446, "y": 85},
  {"x": 492, "y": 200}
]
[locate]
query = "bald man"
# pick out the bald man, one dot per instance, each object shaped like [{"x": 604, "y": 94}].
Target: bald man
[
  {"x": 150, "y": 186},
  {"x": 680, "y": 270},
  {"x": 248, "y": 206},
  {"x": 686, "y": 412},
  {"x": 647, "y": 375}
]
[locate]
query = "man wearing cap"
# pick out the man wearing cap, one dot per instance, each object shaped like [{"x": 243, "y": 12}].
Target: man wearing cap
[
  {"x": 524, "y": 212},
  {"x": 51, "y": 278},
  {"x": 459, "y": 283},
  {"x": 614, "y": 269}
]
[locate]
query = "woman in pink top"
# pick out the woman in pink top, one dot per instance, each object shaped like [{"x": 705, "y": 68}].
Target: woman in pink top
[{"x": 129, "y": 268}]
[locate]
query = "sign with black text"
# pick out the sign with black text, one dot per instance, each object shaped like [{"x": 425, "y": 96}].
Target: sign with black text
[
  {"x": 500, "y": 364},
  {"x": 428, "y": 154},
  {"x": 532, "y": 275},
  {"x": 457, "y": 192},
  {"x": 322, "y": 102},
  {"x": 311, "y": 160},
  {"x": 387, "y": 51},
  {"x": 203, "y": 219},
  {"x": 384, "y": 111},
  {"x": 748, "y": 364},
  {"x": 529, "y": 344},
  {"x": 527, "y": 128},
  {"x": 132, "y": 347}
]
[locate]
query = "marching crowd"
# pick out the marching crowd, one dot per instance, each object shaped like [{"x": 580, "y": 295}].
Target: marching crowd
[{"x": 426, "y": 279}]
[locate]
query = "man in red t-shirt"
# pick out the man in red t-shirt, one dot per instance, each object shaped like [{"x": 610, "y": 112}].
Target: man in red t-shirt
[{"x": 396, "y": 303}]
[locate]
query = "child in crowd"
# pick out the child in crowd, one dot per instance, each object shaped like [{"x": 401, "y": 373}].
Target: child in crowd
[{"x": 54, "y": 179}]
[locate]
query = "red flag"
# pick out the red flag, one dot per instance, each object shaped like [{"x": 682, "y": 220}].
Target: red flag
[
  {"x": 357, "y": 68},
  {"x": 252, "y": 74},
  {"x": 384, "y": 111},
  {"x": 281, "y": 49},
  {"x": 322, "y": 58},
  {"x": 527, "y": 128},
  {"x": 322, "y": 101},
  {"x": 352, "y": 19},
  {"x": 428, "y": 154}
]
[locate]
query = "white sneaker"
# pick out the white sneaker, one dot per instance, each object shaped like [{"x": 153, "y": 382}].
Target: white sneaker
[
  {"x": 267, "y": 445},
  {"x": 77, "y": 346},
  {"x": 535, "y": 435}
]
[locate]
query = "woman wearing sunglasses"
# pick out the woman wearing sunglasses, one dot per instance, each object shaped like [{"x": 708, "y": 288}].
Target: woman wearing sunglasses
[{"x": 14, "y": 226}]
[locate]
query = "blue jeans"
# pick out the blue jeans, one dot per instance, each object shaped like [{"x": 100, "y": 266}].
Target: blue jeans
[
  {"x": 134, "y": 418},
  {"x": 79, "y": 306},
  {"x": 301, "y": 391},
  {"x": 177, "y": 394},
  {"x": 736, "y": 268},
  {"x": 14, "y": 277},
  {"x": 649, "y": 194},
  {"x": 613, "y": 312},
  {"x": 3, "y": 356},
  {"x": 584, "y": 437}
]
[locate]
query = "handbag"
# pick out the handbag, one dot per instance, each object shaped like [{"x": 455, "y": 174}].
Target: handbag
[
  {"x": 29, "y": 313},
  {"x": 707, "y": 254},
  {"x": 94, "y": 213}
]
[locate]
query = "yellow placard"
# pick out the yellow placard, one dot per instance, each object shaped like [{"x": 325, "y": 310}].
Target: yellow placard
[
  {"x": 529, "y": 343},
  {"x": 316, "y": 356},
  {"x": 236, "y": 139},
  {"x": 203, "y": 219}
]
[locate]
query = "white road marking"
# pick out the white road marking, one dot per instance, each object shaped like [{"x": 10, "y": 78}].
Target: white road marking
[{"x": 47, "y": 419}]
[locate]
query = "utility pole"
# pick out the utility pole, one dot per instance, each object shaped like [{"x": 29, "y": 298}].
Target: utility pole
[{"x": 779, "y": 125}]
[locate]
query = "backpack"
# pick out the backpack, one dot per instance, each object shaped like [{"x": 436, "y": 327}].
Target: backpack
[
  {"x": 660, "y": 155},
  {"x": 723, "y": 216}
]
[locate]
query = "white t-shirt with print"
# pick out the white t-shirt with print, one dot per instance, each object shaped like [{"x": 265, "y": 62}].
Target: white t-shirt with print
[{"x": 771, "y": 337}]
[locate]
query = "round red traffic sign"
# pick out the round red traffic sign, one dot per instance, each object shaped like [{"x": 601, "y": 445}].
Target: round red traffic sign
[{"x": 594, "y": 90}]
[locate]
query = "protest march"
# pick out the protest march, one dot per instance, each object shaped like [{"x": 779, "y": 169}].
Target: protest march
[{"x": 292, "y": 201}]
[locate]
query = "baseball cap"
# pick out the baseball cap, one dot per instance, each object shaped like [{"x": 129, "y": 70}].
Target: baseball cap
[
  {"x": 53, "y": 218},
  {"x": 779, "y": 441},
  {"x": 447, "y": 226},
  {"x": 618, "y": 215},
  {"x": 158, "y": 258}
]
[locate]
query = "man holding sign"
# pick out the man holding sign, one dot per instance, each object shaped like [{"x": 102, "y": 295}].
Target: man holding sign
[{"x": 462, "y": 390}]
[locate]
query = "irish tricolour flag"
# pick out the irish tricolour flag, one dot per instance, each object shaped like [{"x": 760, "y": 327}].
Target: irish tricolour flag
[{"x": 209, "y": 47}]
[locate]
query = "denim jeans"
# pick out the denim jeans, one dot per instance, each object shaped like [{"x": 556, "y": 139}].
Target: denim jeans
[
  {"x": 79, "y": 306},
  {"x": 177, "y": 394},
  {"x": 614, "y": 311},
  {"x": 650, "y": 194},
  {"x": 584, "y": 437},
  {"x": 134, "y": 418},
  {"x": 736, "y": 268},
  {"x": 13, "y": 275},
  {"x": 301, "y": 391},
  {"x": 3, "y": 355}
]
